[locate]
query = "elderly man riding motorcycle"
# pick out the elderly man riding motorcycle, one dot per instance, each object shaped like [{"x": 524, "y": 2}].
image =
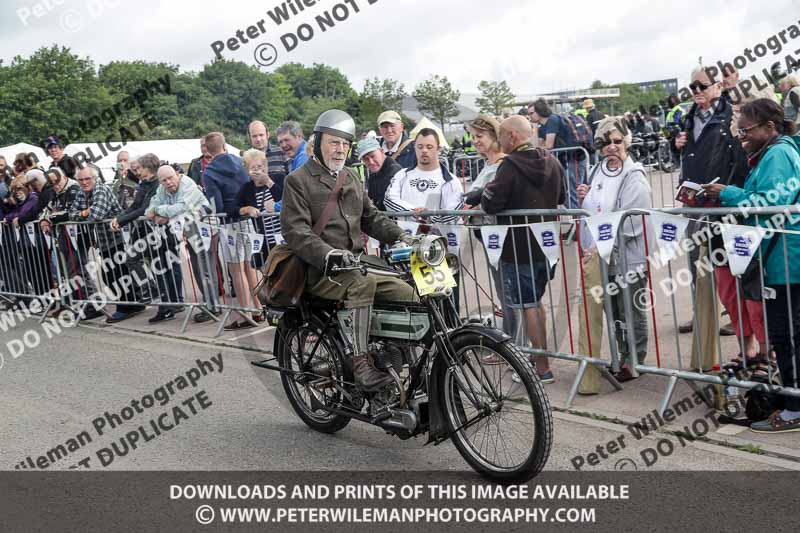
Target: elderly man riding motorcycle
[{"x": 305, "y": 196}]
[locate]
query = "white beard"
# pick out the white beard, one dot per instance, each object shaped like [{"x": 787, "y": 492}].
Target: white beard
[{"x": 336, "y": 167}]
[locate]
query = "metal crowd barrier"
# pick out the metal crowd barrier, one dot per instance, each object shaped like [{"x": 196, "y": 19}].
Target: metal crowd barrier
[
  {"x": 480, "y": 297},
  {"x": 467, "y": 167},
  {"x": 141, "y": 265},
  {"x": 703, "y": 292},
  {"x": 26, "y": 269},
  {"x": 480, "y": 294},
  {"x": 213, "y": 264},
  {"x": 242, "y": 246}
]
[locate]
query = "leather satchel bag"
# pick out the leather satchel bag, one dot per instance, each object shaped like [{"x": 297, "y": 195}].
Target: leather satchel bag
[{"x": 284, "y": 274}]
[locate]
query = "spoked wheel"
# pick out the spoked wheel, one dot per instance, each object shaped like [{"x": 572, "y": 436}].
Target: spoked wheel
[
  {"x": 502, "y": 428},
  {"x": 315, "y": 387}
]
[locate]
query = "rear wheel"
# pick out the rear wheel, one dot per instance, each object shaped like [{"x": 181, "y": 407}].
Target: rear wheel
[
  {"x": 320, "y": 373},
  {"x": 502, "y": 428}
]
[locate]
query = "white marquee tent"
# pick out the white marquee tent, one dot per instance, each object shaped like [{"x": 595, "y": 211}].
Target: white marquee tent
[
  {"x": 180, "y": 151},
  {"x": 10, "y": 152},
  {"x": 426, "y": 123}
]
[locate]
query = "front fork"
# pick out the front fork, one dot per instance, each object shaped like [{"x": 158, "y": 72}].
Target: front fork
[{"x": 446, "y": 350}]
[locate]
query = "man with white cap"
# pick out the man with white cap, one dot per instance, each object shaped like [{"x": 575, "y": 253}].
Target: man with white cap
[
  {"x": 381, "y": 170},
  {"x": 394, "y": 141}
]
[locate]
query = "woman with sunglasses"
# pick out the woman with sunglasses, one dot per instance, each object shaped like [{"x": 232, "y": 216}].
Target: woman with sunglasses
[
  {"x": 616, "y": 183},
  {"x": 748, "y": 325},
  {"x": 774, "y": 157}
]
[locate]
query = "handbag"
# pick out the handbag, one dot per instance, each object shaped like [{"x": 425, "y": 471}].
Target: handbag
[{"x": 284, "y": 274}]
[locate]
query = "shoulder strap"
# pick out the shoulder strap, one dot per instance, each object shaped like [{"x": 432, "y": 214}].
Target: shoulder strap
[
  {"x": 401, "y": 148},
  {"x": 333, "y": 199}
]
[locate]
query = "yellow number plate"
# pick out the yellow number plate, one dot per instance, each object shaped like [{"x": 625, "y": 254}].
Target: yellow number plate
[{"x": 429, "y": 279}]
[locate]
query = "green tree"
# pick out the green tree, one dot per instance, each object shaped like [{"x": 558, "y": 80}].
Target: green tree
[
  {"x": 279, "y": 103},
  {"x": 631, "y": 98},
  {"x": 386, "y": 93},
  {"x": 495, "y": 95},
  {"x": 49, "y": 92},
  {"x": 376, "y": 97},
  {"x": 315, "y": 81},
  {"x": 437, "y": 97},
  {"x": 197, "y": 105},
  {"x": 239, "y": 92},
  {"x": 124, "y": 79}
]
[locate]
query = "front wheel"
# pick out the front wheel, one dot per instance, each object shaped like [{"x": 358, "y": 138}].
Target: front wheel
[{"x": 502, "y": 428}]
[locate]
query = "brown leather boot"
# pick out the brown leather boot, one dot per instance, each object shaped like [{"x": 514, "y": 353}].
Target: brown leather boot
[{"x": 368, "y": 378}]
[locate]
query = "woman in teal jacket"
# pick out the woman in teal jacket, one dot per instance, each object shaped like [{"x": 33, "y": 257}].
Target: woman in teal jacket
[{"x": 774, "y": 180}]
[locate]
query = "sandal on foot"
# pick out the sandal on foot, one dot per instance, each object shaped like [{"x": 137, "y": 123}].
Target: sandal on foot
[{"x": 738, "y": 363}]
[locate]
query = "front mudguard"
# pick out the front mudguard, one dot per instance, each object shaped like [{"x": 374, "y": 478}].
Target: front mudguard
[{"x": 439, "y": 430}]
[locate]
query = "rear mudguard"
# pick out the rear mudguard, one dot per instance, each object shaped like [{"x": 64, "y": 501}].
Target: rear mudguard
[
  {"x": 439, "y": 430},
  {"x": 282, "y": 319}
]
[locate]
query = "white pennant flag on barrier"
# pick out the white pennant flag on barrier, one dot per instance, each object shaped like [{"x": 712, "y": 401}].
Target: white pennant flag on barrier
[
  {"x": 669, "y": 231},
  {"x": 452, "y": 233},
  {"x": 604, "y": 232},
  {"x": 229, "y": 240},
  {"x": 31, "y": 231},
  {"x": 16, "y": 232},
  {"x": 72, "y": 233},
  {"x": 493, "y": 239},
  {"x": 47, "y": 239},
  {"x": 126, "y": 234},
  {"x": 547, "y": 235},
  {"x": 256, "y": 242},
  {"x": 408, "y": 226},
  {"x": 741, "y": 242},
  {"x": 176, "y": 225},
  {"x": 204, "y": 230},
  {"x": 247, "y": 226},
  {"x": 279, "y": 238}
]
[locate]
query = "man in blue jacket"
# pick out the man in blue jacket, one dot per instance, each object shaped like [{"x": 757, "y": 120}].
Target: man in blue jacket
[{"x": 223, "y": 177}]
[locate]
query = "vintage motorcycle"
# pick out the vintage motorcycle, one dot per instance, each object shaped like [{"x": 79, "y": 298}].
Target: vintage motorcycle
[{"x": 451, "y": 379}]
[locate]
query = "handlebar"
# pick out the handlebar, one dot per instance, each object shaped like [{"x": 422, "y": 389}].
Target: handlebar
[{"x": 365, "y": 269}]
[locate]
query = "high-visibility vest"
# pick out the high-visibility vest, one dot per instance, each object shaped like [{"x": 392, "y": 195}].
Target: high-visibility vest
[
  {"x": 466, "y": 143},
  {"x": 582, "y": 112},
  {"x": 671, "y": 114}
]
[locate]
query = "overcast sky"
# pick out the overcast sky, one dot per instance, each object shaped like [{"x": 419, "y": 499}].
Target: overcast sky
[{"x": 537, "y": 46}]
